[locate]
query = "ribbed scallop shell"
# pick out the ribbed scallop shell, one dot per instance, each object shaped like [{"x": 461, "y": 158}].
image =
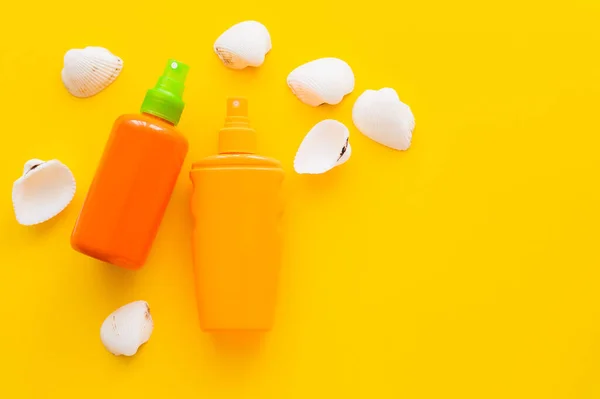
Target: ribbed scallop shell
[
  {"x": 381, "y": 116},
  {"x": 244, "y": 44},
  {"x": 324, "y": 80},
  {"x": 127, "y": 328},
  {"x": 88, "y": 71}
]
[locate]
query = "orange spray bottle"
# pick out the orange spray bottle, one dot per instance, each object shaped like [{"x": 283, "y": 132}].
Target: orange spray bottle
[
  {"x": 135, "y": 178},
  {"x": 237, "y": 207}
]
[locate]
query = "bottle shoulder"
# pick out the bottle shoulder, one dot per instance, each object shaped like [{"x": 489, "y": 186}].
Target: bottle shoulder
[
  {"x": 233, "y": 160},
  {"x": 148, "y": 123}
]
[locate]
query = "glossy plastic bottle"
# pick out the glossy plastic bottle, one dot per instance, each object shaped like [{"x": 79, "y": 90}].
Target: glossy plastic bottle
[
  {"x": 135, "y": 178},
  {"x": 237, "y": 205}
]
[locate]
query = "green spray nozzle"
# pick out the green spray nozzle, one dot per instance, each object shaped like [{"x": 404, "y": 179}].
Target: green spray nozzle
[{"x": 165, "y": 99}]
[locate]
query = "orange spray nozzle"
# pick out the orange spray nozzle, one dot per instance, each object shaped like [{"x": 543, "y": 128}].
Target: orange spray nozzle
[
  {"x": 237, "y": 136},
  {"x": 237, "y": 106}
]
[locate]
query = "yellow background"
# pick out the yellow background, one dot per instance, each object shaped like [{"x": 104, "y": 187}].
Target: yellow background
[{"x": 465, "y": 267}]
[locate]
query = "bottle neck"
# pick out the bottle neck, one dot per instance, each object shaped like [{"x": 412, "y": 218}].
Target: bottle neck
[
  {"x": 158, "y": 118},
  {"x": 237, "y": 137}
]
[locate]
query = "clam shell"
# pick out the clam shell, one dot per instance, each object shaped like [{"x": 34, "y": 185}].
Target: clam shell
[
  {"x": 324, "y": 80},
  {"x": 244, "y": 44},
  {"x": 90, "y": 70},
  {"x": 127, "y": 328},
  {"x": 381, "y": 116},
  {"x": 324, "y": 147},
  {"x": 44, "y": 190}
]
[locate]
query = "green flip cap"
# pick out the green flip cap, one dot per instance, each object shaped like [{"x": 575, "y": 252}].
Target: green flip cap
[{"x": 165, "y": 99}]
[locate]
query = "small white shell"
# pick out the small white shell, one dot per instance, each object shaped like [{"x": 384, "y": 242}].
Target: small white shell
[
  {"x": 127, "y": 328},
  {"x": 244, "y": 44},
  {"x": 381, "y": 116},
  {"x": 88, "y": 71},
  {"x": 324, "y": 147},
  {"x": 325, "y": 80},
  {"x": 44, "y": 190}
]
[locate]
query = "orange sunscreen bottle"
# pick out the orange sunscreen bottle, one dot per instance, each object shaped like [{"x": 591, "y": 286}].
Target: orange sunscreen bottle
[
  {"x": 135, "y": 177},
  {"x": 237, "y": 206}
]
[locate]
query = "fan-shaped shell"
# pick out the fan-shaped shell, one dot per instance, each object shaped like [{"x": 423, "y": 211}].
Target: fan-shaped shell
[
  {"x": 381, "y": 116},
  {"x": 127, "y": 328},
  {"x": 90, "y": 70},
  {"x": 324, "y": 80},
  {"x": 244, "y": 44}
]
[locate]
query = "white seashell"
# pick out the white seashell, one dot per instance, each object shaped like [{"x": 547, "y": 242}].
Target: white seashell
[
  {"x": 32, "y": 163},
  {"x": 127, "y": 328},
  {"x": 381, "y": 116},
  {"x": 244, "y": 44},
  {"x": 324, "y": 147},
  {"x": 88, "y": 71},
  {"x": 44, "y": 190},
  {"x": 325, "y": 80}
]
